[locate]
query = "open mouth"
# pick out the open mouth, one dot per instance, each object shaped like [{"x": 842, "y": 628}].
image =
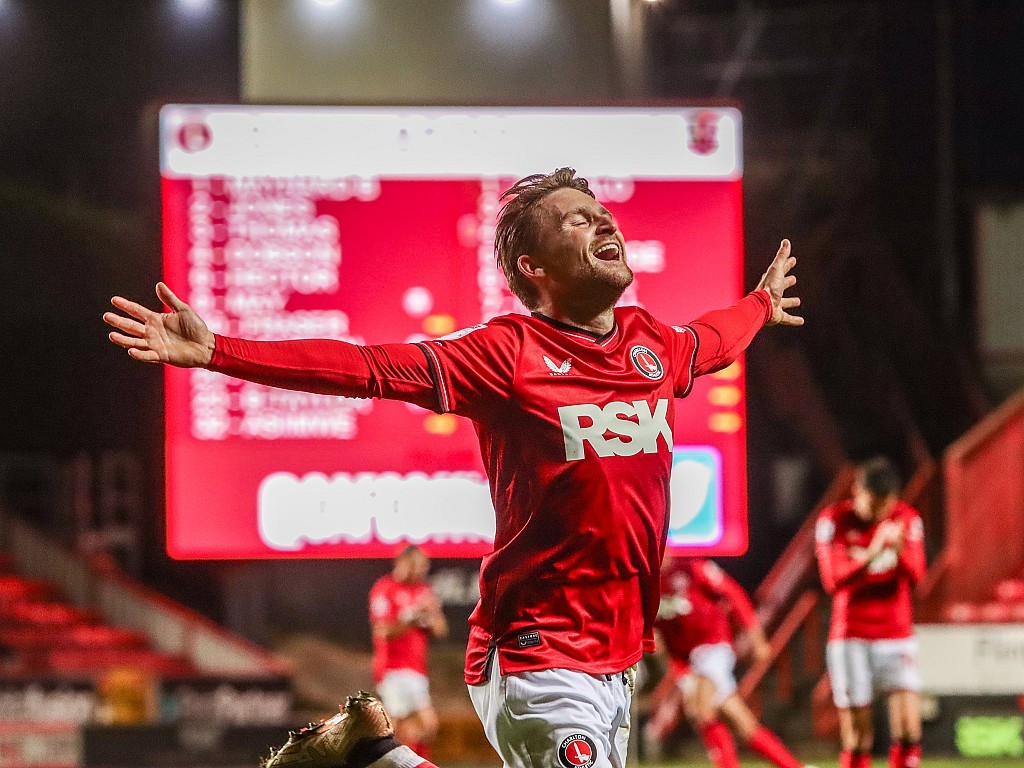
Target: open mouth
[{"x": 607, "y": 252}]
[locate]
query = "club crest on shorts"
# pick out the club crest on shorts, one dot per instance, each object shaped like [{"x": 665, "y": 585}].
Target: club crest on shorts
[
  {"x": 577, "y": 751},
  {"x": 646, "y": 362}
]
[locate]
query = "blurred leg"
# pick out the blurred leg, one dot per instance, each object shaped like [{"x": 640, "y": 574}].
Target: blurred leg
[
  {"x": 735, "y": 711},
  {"x": 701, "y": 709}
]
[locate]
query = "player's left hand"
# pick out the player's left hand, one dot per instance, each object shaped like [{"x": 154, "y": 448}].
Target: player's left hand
[{"x": 776, "y": 281}]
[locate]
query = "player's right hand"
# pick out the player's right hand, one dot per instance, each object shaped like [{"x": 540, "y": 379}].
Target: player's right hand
[{"x": 179, "y": 337}]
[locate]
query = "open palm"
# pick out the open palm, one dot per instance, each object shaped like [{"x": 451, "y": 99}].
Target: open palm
[
  {"x": 776, "y": 281},
  {"x": 179, "y": 337}
]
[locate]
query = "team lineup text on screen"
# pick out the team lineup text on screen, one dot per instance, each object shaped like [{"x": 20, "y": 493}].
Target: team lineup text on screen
[{"x": 376, "y": 225}]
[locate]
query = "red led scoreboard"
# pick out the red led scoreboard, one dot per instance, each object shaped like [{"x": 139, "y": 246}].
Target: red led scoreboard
[{"x": 377, "y": 225}]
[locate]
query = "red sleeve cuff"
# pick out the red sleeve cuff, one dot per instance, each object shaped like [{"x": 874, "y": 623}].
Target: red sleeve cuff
[{"x": 765, "y": 298}]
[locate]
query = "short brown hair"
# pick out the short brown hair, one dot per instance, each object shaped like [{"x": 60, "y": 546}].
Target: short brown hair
[{"x": 516, "y": 231}]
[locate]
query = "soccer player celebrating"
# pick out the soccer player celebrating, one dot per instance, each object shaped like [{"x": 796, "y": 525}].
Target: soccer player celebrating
[
  {"x": 870, "y": 552},
  {"x": 404, "y": 614},
  {"x": 573, "y": 405},
  {"x": 697, "y": 600}
]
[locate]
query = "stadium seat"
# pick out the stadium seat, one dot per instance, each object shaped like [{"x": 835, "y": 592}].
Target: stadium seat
[
  {"x": 961, "y": 613},
  {"x": 1010, "y": 590},
  {"x": 994, "y": 612}
]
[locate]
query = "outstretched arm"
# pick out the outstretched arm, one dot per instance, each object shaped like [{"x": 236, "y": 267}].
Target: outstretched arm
[
  {"x": 723, "y": 334},
  {"x": 179, "y": 337},
  {"x": 324, "y": 366}
]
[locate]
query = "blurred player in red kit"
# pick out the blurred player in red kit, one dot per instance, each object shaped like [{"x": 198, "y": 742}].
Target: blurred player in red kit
[
  {"x": 573, "y": 405},
  {"x": 870, "y": 552},
  {"x": 697, "y": 601},
  {"x": 404, "y": 614}
]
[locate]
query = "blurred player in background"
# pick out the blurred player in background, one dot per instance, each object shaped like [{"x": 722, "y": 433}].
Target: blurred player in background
[
  {"x": 404, "y": 614},
  {"x": 697, "y": 601},
  {"x": 573, "y": 405},
  {"x": 870, "y": 552}
]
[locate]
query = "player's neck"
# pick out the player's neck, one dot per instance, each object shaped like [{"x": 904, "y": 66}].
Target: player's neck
[{"x": 598, "y": 324}]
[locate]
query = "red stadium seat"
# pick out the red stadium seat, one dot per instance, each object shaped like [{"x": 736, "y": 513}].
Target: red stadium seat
[
  {"x": 101, "y": 636},
  {"x": 14, "y": 589},
  {"x": 1010, "y": 590},
  {"x": 994, "y": 612},
  {"x": 961, "y": 613},
  {"x": 73, "y": 661},
  {"x": 50, "y": 614}
]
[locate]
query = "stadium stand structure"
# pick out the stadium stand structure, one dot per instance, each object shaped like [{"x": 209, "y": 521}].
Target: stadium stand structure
[
  {"x": 96, "y": 669},
  {"x": 983, "y": 473},
  {"x": 973, "y": 509}
]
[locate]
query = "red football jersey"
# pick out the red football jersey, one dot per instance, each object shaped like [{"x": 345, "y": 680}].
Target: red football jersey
[
  {"x": 870, "y": 601},
  {"x": 697, "y": 599},
  {"x": 576, "y": 435},
  {"x": 575, "y": 432},
  {"x": 390, "y": 601}
]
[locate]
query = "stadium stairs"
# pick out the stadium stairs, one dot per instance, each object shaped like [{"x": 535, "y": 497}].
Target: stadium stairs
[{"x": 973, "y": 509}]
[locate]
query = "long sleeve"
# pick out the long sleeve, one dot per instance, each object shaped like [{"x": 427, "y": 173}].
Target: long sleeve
[
  {"x": 723, "y": 334},
  {"x": 835, "y": 565},
  {"x": 911, "y": 558},
  {"x": 838, "y": 569},
  {"x": 329, "y": 367}
]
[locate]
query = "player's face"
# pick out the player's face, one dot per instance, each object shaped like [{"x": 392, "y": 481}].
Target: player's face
[
  {"x": 871, "y": 507},
  {"x": 581, "y": 248},
  {"x": 412, "y": 568}
]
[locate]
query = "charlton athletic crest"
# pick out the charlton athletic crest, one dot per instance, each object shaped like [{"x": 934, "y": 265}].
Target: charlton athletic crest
[
  {"x": 704, "y": 132},
  {"x": 194, "y": 135},
  {"x": 577, "y": 751},
  {"x": 645, "y": 361}
]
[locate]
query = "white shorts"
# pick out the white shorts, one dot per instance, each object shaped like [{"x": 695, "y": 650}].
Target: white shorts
[
  {"x": 716, "y": 662},
  {"x": 556, "y": 718},
  {"x": 857, "y": 668},
  {"x": 404, "y": 691}
]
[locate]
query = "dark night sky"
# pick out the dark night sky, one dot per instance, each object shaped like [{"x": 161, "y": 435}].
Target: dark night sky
[
  {"x": 80, "y": 88},
  {"x": 78, "y": 177}
]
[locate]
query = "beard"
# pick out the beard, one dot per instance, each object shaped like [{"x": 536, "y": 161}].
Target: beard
[{"x": 596, "y": 289}]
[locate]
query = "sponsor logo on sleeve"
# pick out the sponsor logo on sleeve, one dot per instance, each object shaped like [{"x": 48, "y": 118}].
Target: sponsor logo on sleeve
[
  {"x": 824, "y": 530},
  {"x": 713, "y": 572},
  {"x": 673, "y": 606},
  {"x": 380, "y": 606},
  {"x": 577, "y": 751}
]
